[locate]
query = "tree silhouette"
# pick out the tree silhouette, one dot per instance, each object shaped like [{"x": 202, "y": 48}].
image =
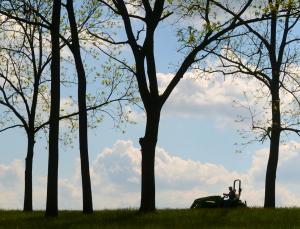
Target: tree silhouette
[
  {"x": 267, "y": 52},
  {"x": 141, "y": 43},
  {"x": 22, "y": 72},
  {"x": 36, "y": 25},
  {"x": 52, "y": 181},
  {"x": 83, "y": 124}
]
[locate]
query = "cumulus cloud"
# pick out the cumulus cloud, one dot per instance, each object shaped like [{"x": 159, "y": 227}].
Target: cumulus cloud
[
  {"x": 238, "y": 102},
  {"x": 115, "y": 175},
  {"x": 11, "y": 180},
  {"x": 213, "y": 98},
  {"x": 179, "y": 181}
]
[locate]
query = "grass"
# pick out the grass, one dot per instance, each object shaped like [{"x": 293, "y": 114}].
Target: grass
[{"x": 197, "y": 218}]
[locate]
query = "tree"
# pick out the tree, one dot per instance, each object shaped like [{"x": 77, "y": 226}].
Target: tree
[
  {"x": 150, "y": 14},
  {"x": 75, "y": 48},
  {"x": 23, "y": 64},
  {"x": 52, "y": 181},
  {"x": 267, "y": 52},
  {"x": 83, "y": 123},
  {"x": 35, "y": 15}
]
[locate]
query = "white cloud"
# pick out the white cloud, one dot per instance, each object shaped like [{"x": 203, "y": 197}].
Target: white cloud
[
  {"x": 116, "y": 174},
  {"x": 230, "y": 101},
  {"x": 211, "y": 98},
  {"x": 11, "y": 180}
]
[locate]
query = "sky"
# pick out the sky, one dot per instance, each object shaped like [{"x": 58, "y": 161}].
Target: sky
[{"x": 199, "y": 150}]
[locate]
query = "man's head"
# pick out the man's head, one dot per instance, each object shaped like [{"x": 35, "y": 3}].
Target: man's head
[{"x": 230, "y": 188}]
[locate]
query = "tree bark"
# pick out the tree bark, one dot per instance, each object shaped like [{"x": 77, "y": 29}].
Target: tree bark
[
  {"x": 270, "y": 183},
  {"x": 28, "y": 174},
  {"x": 30, "y": 143},
  {"x": 83, "y": 132},
  {"x": 30, "y": 148},
  {"x": 52, "y": 184},
  {"x": 148, "y": 144}
]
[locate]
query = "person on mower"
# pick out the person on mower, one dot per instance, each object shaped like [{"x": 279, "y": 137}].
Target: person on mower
[{"x": 231, "y": 197}]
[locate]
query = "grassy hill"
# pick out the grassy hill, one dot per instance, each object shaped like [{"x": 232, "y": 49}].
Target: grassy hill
[{"x": 197, "y": 218}]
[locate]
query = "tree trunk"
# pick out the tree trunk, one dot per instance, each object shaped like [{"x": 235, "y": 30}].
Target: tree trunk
[
  {"x": 52, "y": 184},
  {"x": 273, "y": 155},
  {"x": 28, "y": 174},
  {"x": 83, "y": 133},
  {"x": 148, "y": 144}
]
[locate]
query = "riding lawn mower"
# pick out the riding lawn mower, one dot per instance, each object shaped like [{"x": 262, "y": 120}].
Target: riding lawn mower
[{"x": 221, "y": 201}]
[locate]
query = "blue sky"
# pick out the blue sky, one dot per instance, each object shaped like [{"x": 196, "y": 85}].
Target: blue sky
[{"x": 196, "y": 152}]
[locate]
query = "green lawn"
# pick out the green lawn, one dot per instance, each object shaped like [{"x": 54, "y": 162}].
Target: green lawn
[{"x": 197, "y": 218}]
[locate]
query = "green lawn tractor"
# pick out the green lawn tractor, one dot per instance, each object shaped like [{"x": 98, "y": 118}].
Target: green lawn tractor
[{"x": 221, "y": 201}]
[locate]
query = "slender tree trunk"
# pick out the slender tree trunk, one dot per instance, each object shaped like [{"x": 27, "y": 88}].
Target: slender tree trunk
[
  {"x": 28, "y": 174},
  {"x": 31, "y": 125},
  {"x": 83, "y": 132},
  {"x": 30, "y": 150},
  {"x": 273, "y": 155},
  {"x": 52, "y": 185},
  {"x": 148, "y": 144},
  {"x": 276, "y": 122}
]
